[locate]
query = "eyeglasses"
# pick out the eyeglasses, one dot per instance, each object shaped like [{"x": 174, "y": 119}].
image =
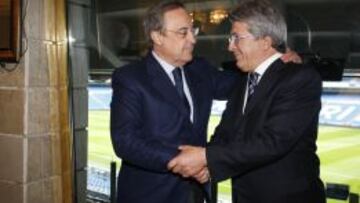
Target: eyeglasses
[
  {"x": 236, "y": 38},
  {"x": 183, "y": 32}
]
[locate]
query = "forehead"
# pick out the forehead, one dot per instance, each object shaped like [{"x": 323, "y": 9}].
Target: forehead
[
  {"x": 177, "y": 18},
  {"x": 239, "y": 27}
]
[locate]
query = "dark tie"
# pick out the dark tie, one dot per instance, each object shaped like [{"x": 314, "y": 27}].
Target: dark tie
[
  {"x": 180, "y": 89},
  {"x": 252, "y": 82}
]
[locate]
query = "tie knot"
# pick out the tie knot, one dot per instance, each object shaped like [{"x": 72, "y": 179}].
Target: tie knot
[{"x": 177, "y": 74}]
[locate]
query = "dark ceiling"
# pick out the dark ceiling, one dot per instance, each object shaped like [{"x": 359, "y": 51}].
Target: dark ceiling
[{"x": 118, "y": 5}]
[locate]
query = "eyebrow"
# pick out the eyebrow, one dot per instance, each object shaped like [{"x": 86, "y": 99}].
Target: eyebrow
[{"x": 183, "y": 28}]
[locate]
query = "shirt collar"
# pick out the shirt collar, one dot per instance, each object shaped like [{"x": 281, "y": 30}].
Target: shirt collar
[
  {"x": 265, "y": 64},
  {"x": 165, "y": 65}
]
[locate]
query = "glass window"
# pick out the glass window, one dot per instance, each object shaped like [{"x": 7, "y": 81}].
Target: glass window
[{"x": 325, "y": 32}]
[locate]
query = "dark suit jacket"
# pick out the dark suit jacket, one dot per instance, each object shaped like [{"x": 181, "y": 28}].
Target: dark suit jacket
[
  {"x": 148, "y": 123},
  {"x": 269, "y": 151}
]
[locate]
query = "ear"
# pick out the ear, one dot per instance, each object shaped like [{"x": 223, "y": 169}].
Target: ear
[
  {"x": 267, "y": 42},
  {"x": 156, "y": 37}
]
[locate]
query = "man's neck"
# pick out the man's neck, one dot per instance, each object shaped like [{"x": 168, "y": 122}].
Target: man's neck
[
  {"x": 263, "y": 66},
  {"x": 166, "y": 59},
  {"x": 264, "y": 57}
]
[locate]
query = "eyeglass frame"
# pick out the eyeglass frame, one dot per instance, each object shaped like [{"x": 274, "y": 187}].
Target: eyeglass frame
[
  {"x": 237, "y": 38},
  {"x": 194, "y": 31}
]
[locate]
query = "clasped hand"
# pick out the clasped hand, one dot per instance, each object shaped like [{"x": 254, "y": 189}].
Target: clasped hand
[{"x": 190, "y": 162}]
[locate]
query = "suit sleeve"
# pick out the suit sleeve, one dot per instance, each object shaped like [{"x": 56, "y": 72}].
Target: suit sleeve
[
  {"x": 129, "y": 141},
  {"x": 294, "y": 109},
  {"x": 235, "y": 82},
  {"x": 222, "y": 81}
]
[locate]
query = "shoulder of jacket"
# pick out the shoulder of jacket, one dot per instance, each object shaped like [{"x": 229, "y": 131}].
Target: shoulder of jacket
[
  {"x": 130, "y": 69},
  {"x": 300, "y": 73}
]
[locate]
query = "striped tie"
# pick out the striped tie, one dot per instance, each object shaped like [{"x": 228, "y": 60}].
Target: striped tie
[{"x": 252, "y": 82}]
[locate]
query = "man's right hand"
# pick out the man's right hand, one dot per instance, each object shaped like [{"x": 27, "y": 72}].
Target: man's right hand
[{"x": 203, "y": 176}]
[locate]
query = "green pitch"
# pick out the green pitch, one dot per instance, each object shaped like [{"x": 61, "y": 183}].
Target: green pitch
[{"x": 338, "y": 148}]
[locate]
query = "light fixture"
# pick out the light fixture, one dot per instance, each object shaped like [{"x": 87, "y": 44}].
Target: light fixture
[
  {"x": 198, "y": 16},
  {"x": 217, "y": 16}
]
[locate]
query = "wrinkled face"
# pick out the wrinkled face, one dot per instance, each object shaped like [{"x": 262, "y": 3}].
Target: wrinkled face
[
  {"x": 248, "y": 51},
  {"x": 175, "y": 43}
]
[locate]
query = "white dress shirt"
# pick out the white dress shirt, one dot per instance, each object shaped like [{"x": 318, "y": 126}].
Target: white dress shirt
[{"x": 261, "y": 70}]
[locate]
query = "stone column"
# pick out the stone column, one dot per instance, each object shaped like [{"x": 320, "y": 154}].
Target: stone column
[{"x": 35, "y": 144}]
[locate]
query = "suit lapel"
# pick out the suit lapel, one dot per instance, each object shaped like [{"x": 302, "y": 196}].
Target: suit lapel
[
  {"x": 267, "y": 81},
  {"x": 162, "y": 84},
  {"x": 238, "y": 101}
]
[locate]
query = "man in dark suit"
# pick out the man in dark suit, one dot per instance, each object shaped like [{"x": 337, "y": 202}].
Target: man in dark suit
[
  {"x": 162, "y": 102},
  {"x": 266, "y": 140}
]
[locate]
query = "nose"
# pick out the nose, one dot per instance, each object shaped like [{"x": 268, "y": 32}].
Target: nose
[
  {"x": 231, "y": 46},
  {"x": 191, "y": 37}
]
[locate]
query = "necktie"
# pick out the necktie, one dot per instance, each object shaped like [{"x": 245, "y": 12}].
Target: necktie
[
  {"x": 180, "y": 89},
  {"x": 252, "y": 82}
]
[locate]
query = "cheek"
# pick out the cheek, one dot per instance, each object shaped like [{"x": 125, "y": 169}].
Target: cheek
[
  {"x": 175, "y": 49},
  {"x": 249, "y": 52},
  {"x": 242, "y": 49},
  {"x": 187, "y": 46},
  {"x": 187, "y": 49}
]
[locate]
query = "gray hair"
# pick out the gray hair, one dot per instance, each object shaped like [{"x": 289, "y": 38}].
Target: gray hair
[
  {"x": 154, "y": 17},
  {"x": 263, "y": 20}
]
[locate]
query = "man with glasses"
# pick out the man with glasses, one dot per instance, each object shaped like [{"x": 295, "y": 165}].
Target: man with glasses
[
  {"x": 266, "y": 140},
  {"x": 160, "y": 103}
]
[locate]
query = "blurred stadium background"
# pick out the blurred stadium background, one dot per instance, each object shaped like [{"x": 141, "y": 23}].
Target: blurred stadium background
[{"x": 338, "y": 141}]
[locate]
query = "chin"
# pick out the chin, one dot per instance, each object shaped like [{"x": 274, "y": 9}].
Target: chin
[
  {"x": 240, "y": 66},
  {"x": 188, "y": 58}
]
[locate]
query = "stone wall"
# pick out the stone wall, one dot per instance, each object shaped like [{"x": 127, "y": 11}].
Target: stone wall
[{"x": 35, "y": 137}]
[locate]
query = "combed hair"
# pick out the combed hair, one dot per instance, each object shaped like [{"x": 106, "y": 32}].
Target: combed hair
[
  {"x": 154, "y": 17},
  {"x": 263, "y": 20}
]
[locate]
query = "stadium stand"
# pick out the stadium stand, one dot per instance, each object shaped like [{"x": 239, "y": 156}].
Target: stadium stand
[{"x": 340, "y": 107}]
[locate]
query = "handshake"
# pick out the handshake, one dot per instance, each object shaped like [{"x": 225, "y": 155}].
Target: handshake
[{"x": 190, "y": 162}]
